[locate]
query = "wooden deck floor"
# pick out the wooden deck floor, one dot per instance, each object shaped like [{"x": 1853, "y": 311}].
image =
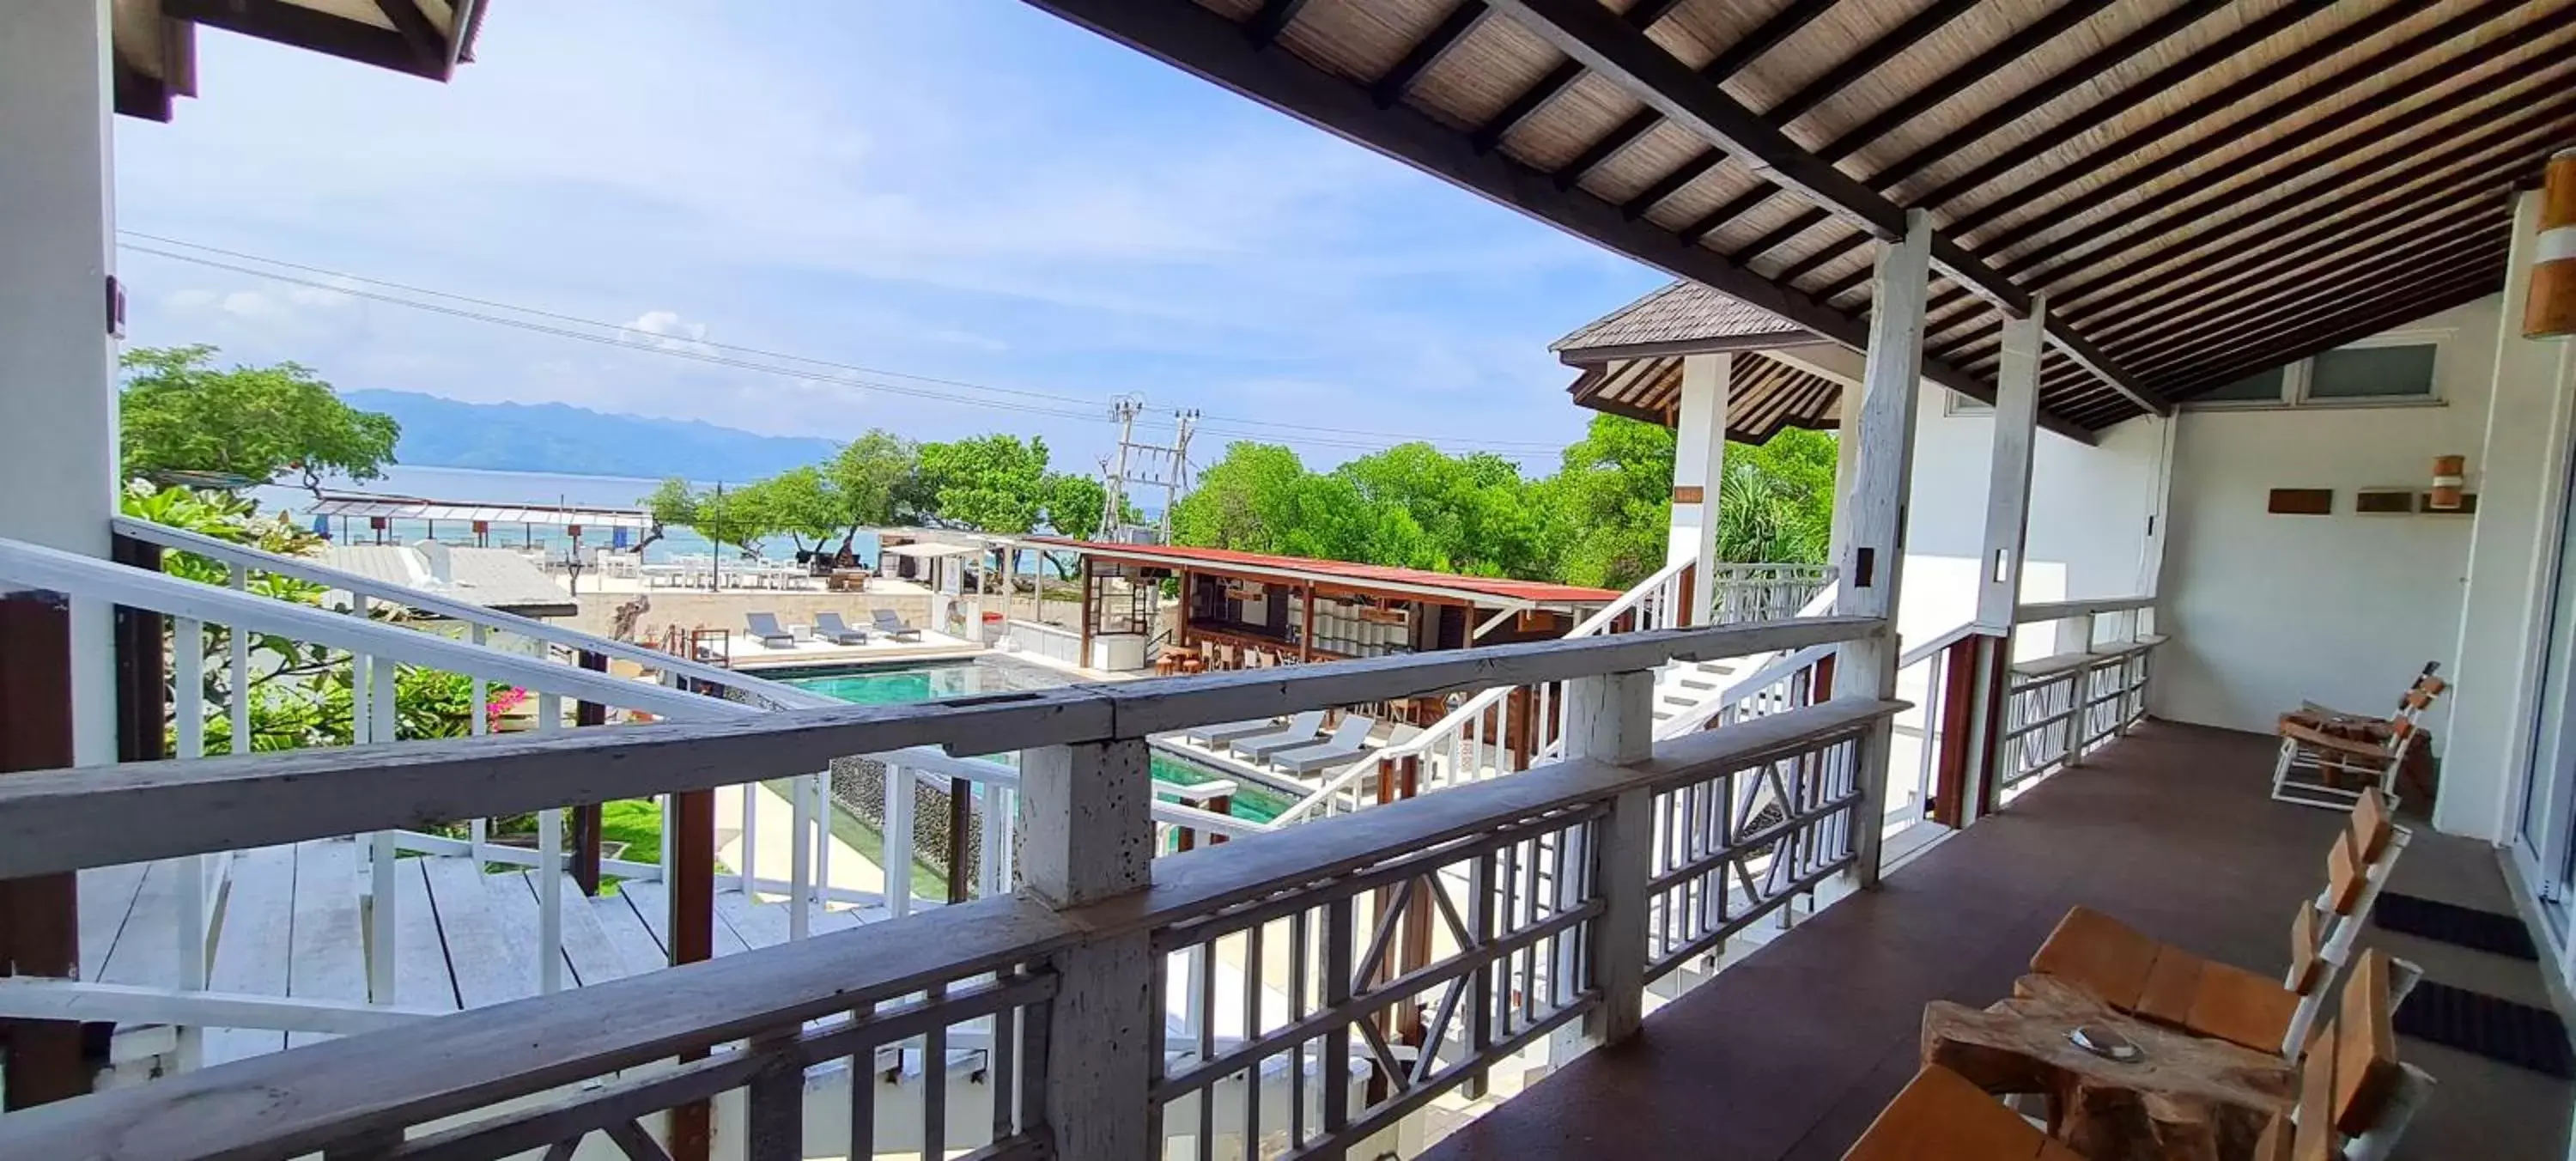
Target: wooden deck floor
[
  {"x": 291, "y": 924},
  {"x": 1790, "y": 1052}
]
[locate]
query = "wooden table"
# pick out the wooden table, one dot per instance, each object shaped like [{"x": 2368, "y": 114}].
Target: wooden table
[{"x": 2186, "y": 1097}]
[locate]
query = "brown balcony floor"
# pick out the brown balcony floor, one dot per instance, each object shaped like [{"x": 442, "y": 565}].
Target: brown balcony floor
[{"x": 1789, "y": 1052}]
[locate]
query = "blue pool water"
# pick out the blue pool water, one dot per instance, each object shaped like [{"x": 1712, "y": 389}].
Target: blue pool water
[{"x": 897, "y": 685}]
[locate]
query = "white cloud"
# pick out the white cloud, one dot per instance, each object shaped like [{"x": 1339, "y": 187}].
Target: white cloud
[{"x": 665, "y": 330}]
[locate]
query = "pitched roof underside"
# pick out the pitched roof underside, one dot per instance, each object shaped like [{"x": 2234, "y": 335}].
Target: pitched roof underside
[
  {"x": 1763, "y": 394},
  {"x": 2204, "y": 188}
]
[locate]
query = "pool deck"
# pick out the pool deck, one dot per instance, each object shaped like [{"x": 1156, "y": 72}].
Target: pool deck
[{"x": 751, "y": 656}]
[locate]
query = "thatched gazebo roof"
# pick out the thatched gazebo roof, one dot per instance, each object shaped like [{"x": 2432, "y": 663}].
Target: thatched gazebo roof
[{"x": 1631, "y": 363}]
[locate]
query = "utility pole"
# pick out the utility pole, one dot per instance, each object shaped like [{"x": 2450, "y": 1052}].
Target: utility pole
[{"x": 1144, "y": 465}]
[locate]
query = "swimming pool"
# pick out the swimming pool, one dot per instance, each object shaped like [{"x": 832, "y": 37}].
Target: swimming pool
[{"x": 896, "y": 685}]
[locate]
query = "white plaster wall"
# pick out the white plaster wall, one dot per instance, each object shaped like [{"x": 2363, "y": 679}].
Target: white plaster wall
[
  {"x": 2088, "y": 511},
  {"x": 2267, "y": 611}
]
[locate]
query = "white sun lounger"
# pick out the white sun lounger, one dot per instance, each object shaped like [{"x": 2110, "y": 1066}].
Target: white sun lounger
[
  {"x": 1215, "y": 737},
  {"x": 1349, "y": 740},
  {"x": 1300, "y": 731}
]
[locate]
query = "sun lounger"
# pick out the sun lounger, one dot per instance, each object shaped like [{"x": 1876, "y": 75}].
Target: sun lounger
[
  {"x": 1215, "y": 737},
  {"x": 1300, "y": 731},
  {"x": 765, "y": 627},
  {"x": 893, "y": 626},
  {"x": 829, "y": 627},
  {"x": 1349, "y": 740}
]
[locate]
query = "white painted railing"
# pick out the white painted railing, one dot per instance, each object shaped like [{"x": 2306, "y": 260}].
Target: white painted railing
[
  {"x": 1424, "y": 944},
  {"x": 1739, "y": 593},
  {"x": 2068, "y": 704}
]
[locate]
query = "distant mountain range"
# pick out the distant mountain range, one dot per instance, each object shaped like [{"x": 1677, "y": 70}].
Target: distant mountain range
[{"x": 555, "y": 437}]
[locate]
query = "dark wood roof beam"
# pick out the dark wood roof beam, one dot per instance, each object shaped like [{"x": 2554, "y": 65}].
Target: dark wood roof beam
[
  {"x": 2398, "y": 264},
  {"x": 2063, "y": 19},
  {"x": 2434, "y": 102},
  {"x": 428, "y": 44},
  {"x": 2029, "y": 101},
  {"x": 1806, "y": 219},
  {"x": 2076, "y": 124},
  {"x": 2397, "y": 303},
  {"x": 1671, "y": 183},
  {"x": 1588, "y": 32},
  {"x": 1781, "y": 26},
  {"x": 294, "y": 24},
  {"x": 2322, "y": 93},
  {"x": 2385, "y": 280},
  {"x": 1491, "y": 134},
  {"x": 1213, "y": 47},
  {"x": 1390, "y": 89},
  {"x": 1275, "y": 16},
  {"x": 1876, "y": 54},
  {"x": 2443, "y": 173},
  {"x": 2395, "y": 224}
]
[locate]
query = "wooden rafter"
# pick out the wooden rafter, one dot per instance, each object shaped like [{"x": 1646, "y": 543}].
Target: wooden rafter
[
  {"x": 2029, "y": 101},
  {"x": 1586, "y": 31},
  {"x": 318, "y": 31},
  {"x": 1215, "y": 48}
]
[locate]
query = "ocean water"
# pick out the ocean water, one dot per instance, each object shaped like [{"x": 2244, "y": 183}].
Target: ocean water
[{"x": 476, "y": 485}]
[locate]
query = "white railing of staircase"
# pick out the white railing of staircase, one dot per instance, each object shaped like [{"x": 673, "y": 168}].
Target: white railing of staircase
[
  {"x": 1564, "y": 891},
  {"x": 1740, "y": 593},
  {"x": 1467, "y": 744},
  {"x": 237, "y": 557}
]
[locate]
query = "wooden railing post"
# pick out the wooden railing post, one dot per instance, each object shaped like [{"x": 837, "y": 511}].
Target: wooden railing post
[
  {"x": 1611, "y": 718},
  {"x": 1089, "y": 835},
  {"x": 588, "y": 819},
  {"x": 40, "y": 914}
]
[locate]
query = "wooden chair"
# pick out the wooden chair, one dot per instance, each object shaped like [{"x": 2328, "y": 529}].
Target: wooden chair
[
  {"x": 2355, "y": 1097},
  {"x": 1940, "y": 1116},
  {"x": 2170, "y": 985},
  {"x": 2328, "y": 745}
]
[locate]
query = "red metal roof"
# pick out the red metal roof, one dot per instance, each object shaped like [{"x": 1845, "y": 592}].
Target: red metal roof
[{"x": 1329, "y": 570}]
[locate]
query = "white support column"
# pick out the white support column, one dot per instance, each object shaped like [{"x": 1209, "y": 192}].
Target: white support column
[
  {"x": 57, "y": 360},
  {"x": 1090, "y": 836},
  {"x": 1873, "y": 564},
  {"x": 1699, "y": 461},
  {"x": 1611, "y": 718},
  {"x": 1846, "y": 466},
  {"x": 2008, "y": 489},
  {"x": 2151, "y": 550}
]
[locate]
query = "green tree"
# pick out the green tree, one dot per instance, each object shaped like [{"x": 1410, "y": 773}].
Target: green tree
[
  {"x": 179, "y": 413},
  {"x": 1610, "y": 502},
  {"x": 1776, "y": 501},
  {"x": 802, "y": 502},
  {"x": 874, "y": 476},
  {"x": 1246, "y": 501},
  {"x": 989, "y": 483},
  {"x": 1474, "y": 512}
]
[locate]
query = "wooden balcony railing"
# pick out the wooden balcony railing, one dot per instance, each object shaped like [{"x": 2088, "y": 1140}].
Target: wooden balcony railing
[{"x": 1345, "y": 972}]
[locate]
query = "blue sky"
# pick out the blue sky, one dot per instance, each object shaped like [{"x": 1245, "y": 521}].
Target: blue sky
[{"x": 965, "y": 189}]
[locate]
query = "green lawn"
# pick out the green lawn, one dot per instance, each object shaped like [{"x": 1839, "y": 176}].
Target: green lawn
[{"x": 929, "y": 880}]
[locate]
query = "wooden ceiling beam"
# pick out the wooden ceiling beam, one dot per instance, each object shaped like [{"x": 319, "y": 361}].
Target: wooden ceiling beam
[
  {"x": 2013, "y": 109},
  {"x": 1274, "y": 18},
  {"x": 2444, "y": 291},
  {"x": 428, "y": 45},
  {"x": 1212, "y": 47},
  {"x": 1489, "y": 135},
  {"x": 2297, "y": 103},
  {"x": 1588, "y": 32},
  {"x": 2404, "y": 223},
  {"x": 2391, "y": 171},
  {"x": 2396, "y": 264},
  {"x": 306, "y": 28},
  {"x": 2143, "y": 216},
  {"x": 1860, "y": 64},
  {"x": 1389, "y": 90},
  {"x": 1782, "y": 25}
]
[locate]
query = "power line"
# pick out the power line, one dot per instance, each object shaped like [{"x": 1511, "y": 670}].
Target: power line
[{"x": 1333, "y": 436}]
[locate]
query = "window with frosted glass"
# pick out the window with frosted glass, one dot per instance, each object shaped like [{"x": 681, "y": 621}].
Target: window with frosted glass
[{"x": 2400, "y": 372}]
